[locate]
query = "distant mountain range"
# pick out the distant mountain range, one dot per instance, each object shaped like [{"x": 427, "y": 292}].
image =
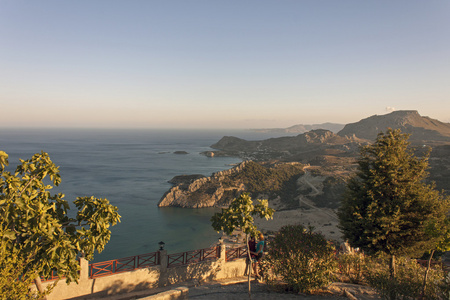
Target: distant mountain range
[
  {"x": 300, "y": 128},
  {"x": 422, "y": 129},
  {"x": 326, "y": 160}
]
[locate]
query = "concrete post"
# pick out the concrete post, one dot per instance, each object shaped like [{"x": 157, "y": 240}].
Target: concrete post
[
  {"x": 163, "y": 274},
  {"x": 84, "y": 269},
  {"x": 223, "y": 251},
  {"x": 163, "y": 259}
]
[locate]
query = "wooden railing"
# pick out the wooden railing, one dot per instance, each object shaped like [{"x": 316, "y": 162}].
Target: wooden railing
[
  {"x": 53, "y": 276},
  {"x": 189, "y": 257},
  {"x": 127, "y": 264},
  {"x": 424, "y": 263},
  {"x": 236, "y": 253},
  {"x": 123, "y": 264}
]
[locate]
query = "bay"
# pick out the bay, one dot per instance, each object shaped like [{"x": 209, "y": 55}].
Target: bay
[{"x": 131, "y": 168}]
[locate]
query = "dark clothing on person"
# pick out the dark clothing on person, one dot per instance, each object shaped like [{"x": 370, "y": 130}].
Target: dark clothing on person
[{"x": 252, "y": 247}]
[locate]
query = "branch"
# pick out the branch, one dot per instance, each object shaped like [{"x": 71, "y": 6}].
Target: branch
[
  {"x": 23, "y": 190},
  {"x": 73, "y": 225}
]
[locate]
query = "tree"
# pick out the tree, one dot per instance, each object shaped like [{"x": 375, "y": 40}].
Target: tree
[
  {"x": 36, "y": 226},
  {"x": 388, "y": 207},
  {"x": 16, "y": 278},
  {"x": 442, "y": 233},
  {"x": 239, "y": 215}
]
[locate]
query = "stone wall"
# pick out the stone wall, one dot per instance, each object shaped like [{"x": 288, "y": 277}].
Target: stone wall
[{"x": 146, "y": 278}]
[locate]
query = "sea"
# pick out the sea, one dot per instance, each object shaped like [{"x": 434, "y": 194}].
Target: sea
[{"x": 131, "y": 168}]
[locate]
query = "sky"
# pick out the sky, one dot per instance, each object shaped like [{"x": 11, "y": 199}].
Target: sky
[{"x": 220, "y": 64}]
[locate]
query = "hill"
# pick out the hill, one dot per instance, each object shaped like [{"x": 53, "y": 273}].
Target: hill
[
  {"x": 323, "y": 161},
  {"x": 263, "y": 180},
  {"x": 423, "y": 130},
  {"x": 301, "y": 148},
  {"x": 301, "y": 128}
]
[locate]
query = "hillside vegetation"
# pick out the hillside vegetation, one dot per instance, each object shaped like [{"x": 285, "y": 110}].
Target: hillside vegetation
[
  {"x": 260, "y": 180},
  {"x": 274, "y": 168}
]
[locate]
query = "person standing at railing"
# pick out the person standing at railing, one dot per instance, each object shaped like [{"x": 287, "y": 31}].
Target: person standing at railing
[
  {"x": 259, "y": 251},
  {"x": 252, "y": 247},
  {"x": 252, "y": 252}
]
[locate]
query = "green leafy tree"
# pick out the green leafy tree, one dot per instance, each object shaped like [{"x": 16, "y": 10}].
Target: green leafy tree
[
  {"x": 240, "y": 215},
  {"x": 16, "y": 277},
  {"x": 36, "y": 226},
  {"x": 388, "y": 206},
  {"x": 442, "y": 233}
]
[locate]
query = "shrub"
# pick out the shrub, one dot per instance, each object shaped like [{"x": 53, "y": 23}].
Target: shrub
[
  {"x": 408, "y": 281},
  {"x": 351, "y": 266},
  {"x": 302, "y": 260}
]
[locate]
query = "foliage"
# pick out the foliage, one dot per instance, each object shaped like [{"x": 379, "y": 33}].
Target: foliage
[
  {"x": 36, "y": 224},
  {"x": 388, "y": 206},
  {"x": 333, "y": 189},
  {"x": 441, "y": 232},
  {"x": 260, "y": 179},
  {"x": 16, "y": 278},
  {"x": 351, "y": 266},
  {"x": 239, "y": 215},
  {"x": 301, "y": 259},
  {"x": 408, "y": 280}
]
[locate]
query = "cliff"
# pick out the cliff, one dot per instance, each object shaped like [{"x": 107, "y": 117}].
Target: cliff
[
  {"x": 260, "y": 180},
  {"x": 274, "y": 168}
]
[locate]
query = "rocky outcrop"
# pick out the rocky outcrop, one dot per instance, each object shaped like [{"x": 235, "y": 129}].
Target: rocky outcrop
[
  {"x": 272, "y": 167},
  {"x": 180, "y": 152},
  {"x": 185, "y": 179},
  {"x": 184, "y": 194},
  {"x": 222, "y": 187}
]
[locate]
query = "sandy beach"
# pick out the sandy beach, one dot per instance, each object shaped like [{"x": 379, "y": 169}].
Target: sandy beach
[{"x": 323, "y": 221}]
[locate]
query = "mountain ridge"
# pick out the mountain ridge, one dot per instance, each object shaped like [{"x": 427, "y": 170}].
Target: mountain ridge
[
  {"x": 330, "y": 158},
  {"x": 408, "y": 121},
  {"x": 302, "y": 128}
]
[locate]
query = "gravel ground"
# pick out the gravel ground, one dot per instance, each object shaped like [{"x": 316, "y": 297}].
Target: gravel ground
[{"x": 238, "y": 289}]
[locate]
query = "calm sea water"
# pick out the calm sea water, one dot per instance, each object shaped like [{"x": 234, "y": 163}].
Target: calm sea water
[{"x": 131, "y": 169}]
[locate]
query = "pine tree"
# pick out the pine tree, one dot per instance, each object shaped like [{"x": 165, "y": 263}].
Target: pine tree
[{"x": 388, "y": 205}]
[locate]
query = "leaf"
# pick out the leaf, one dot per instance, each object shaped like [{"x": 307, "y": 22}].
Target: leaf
[{"x": 9, "y": 234}]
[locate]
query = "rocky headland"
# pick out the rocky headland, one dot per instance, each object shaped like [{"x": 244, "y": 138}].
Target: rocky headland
[
  {"x": 304, "y": 176},
  {"x": 275, "y": 181}
]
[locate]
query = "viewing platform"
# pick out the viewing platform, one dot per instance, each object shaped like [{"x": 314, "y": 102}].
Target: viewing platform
[{"x": 151, "y": 271}]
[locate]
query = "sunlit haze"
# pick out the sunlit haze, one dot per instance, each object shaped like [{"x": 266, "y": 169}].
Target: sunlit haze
[{"x": 220, "y": 64}]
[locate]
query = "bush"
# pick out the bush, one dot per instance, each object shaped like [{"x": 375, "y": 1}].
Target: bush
[
  {"x": 408, "y": 281},
  {"x": 302, "y": 260},
  {"x": 351, "y": 266}
]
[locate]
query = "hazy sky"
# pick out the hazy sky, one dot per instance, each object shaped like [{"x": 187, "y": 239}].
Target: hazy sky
[{"x": 221, "y": 64}]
